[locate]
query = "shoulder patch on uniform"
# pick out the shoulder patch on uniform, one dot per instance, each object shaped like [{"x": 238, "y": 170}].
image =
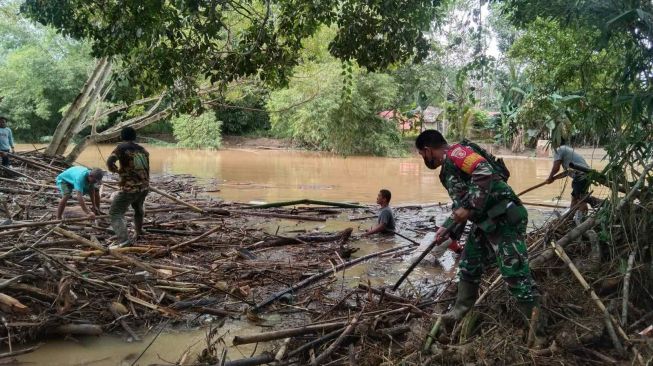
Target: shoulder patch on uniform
[{"x": 465, "y": 158}]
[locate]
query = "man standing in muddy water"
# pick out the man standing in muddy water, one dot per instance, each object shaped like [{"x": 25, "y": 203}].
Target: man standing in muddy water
[
  {"x": 386, "y": 220},
  {"x": 476, "y": 183},
  {"x": 134, "y": 185}
]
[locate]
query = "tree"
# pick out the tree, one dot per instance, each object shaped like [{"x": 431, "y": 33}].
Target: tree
[
  {"x": 198, "y": 131},
  {"x": 175, "y": 47},
  {"x": 40, "y": 73}
]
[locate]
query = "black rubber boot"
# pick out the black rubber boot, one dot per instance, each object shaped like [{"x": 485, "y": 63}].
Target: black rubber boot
[{"x": 465, "y": 299}]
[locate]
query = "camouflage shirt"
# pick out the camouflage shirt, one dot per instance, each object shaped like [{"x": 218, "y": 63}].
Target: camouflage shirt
[
  {"x": 134, "y": 168},
  {"x": 472, "y": 182}
]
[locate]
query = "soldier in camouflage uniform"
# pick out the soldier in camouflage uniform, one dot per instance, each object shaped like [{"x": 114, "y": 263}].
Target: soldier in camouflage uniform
[
  {"x": 481, "y": 195},
  {"x": 134, "y": 183}
]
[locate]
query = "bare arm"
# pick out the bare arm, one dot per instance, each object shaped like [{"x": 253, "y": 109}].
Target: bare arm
[
  {"x": 554, "y": 170},
  {"x": 82, "y": 204},
  {"x": 111, "y": 161},
  {"x": 95, "y": 201},
  {"x": 377, "y": 229}
]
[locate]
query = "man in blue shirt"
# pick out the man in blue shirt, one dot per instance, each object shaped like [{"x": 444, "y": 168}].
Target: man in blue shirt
[
  {"x": 80, "y": 180},
  {"x": 6, "y": 141}
]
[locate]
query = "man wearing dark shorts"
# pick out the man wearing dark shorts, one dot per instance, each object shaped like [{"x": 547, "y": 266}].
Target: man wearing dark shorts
[
  {"x": 134, "y": 185},
  {"x": 562, "y": 157},
  {"x": 386, "y": 221}
]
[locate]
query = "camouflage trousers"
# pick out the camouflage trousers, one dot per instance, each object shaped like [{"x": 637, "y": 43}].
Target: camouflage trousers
[
  {"x": 118, "y": 208},
  {"x": 506, "y": 247}
]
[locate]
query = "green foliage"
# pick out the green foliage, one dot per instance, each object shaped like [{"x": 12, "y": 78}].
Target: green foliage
[
  {"x": 313, "y": 112},
  {"x": 242, "y": 110},
  {"x": 607, "y": 62},
  {"x": 197, "y": 132},
  {"x": 172, "y": 43},
  {"x": 40, "y": 73}
]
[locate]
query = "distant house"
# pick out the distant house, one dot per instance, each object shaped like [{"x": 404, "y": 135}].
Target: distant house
[
  {"x": 404, "y": 123},
  {"x": 433, "y": 119}
]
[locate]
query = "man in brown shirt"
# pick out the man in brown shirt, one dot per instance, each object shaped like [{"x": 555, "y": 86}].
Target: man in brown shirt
[{"x": 134, "y": 172}]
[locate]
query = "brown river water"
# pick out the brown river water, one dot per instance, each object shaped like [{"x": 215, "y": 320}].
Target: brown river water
[{"x": 279, "y": 175}]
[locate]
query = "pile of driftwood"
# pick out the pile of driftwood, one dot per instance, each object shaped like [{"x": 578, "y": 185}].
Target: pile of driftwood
[
  {"x": 596, "y": 307},
  {"x": 375, "y": 326},
  {"x": 199, "y": 255}
]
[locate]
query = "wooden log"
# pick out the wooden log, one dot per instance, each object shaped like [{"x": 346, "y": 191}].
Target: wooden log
[
  {"x": 302, "y": 239},
  {"x": 111, "y": 252},
  {"x": 572, "y": 235},
  {"x": 432, "y": 334},
  {"x": 321, "y": 275},
  {"x": 35, "y": 164},
  {"x": 12, "y": 306},
  {"x": 16, "y": 173},
  {"x": 252, "y": 361},
  {"x": 78, "y": 329},
  {"x": 383, "y": 294},
  {"x": 25, "y": 192},
  {"x": 11, "y": 232},
  {"x": 285, "y": 333},
  {"x": 280, "y": 215},
  {"x": 406, "y": 238},
  {"x": 555, "y": 177},
  {"x": 19, "y": 352},
  {"x": 77, "y": 219},
  {"x": 28, "y": 183},
  {"x": 124, "y": 324},
  {"x": 324, "y": 356},
  {"x": 624, "y": 305},
  {"x": 196, "y": 239},
  {"x": 541, "y": 205},
  {"x": 175, "y": 199},
  {"x": 307, "y": 202},
  {"x": 563, "y": 255},
  {"x": 281, "y": 353},
  {"x": 314, "y": 343}
]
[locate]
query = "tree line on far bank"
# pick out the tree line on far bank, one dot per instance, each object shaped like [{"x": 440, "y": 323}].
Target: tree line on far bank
[{"x": 65, "y": 82}]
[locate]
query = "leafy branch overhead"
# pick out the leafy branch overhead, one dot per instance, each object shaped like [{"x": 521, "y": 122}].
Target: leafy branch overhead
[{"x": 168, "y": 44}]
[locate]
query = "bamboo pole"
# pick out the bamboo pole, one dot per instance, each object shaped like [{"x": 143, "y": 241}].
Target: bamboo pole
[
  {"x": 175, "y": 199},
  {"x": 196, "y": 239},
  {"x": 35, "y": 163},
  {"x": 77, "y": 219},
  {"x": 27, "y": 183},
  {"x": 306, "y": 202},
  {"x": 555, "y": 177},
  {"x": 327, "y": 353},
  {"x": 285, "y": 333},
  {"x": 563, "y": 255},
  {"x": 111, "y": 252}
]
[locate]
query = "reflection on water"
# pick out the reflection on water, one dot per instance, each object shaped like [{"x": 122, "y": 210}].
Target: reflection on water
[{"x": 272, "y": 175}]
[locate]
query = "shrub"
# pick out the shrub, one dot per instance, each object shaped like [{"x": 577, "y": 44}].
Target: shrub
[{"x": 197, "y": 132}]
